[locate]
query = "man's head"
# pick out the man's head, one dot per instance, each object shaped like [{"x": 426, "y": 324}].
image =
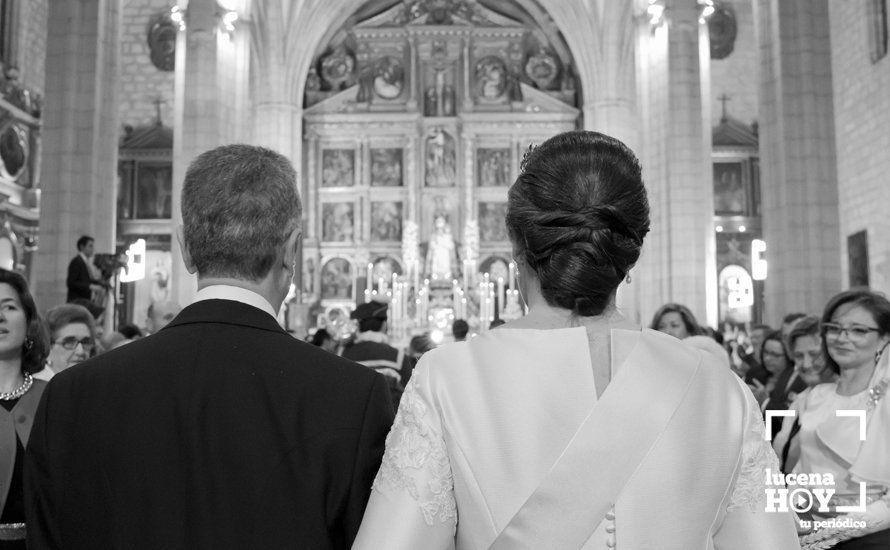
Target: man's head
[
  {"x": 160, "y": 314},
  {"x": 241, "y": 215},
  {"x": 460, "y": 328},
  {"x": 370, "y": 316},
  {"x": 85, "y": 245}
]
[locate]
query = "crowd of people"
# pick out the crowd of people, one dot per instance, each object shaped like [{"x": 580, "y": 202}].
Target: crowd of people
[{"x": 570, "y": 427}]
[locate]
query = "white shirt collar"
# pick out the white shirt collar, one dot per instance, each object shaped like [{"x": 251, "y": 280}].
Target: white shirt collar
[
  {"x": 236, "y": 294},
  {"x": 372, "y": 336}
]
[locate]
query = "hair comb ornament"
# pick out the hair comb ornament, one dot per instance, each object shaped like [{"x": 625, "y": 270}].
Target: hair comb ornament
[{"x": 525, "y": 157}]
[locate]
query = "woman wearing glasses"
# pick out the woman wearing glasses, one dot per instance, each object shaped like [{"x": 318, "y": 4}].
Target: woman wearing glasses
[
  {"x": 855, "y": 334},
  {"x": 73, "y": 334},
  {"x": 23, "y": 349}
]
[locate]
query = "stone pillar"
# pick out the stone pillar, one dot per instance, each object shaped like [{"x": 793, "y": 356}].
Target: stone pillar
[
  {"x": 797, "y": 156},
  {"x": 678, "y": 263},
  {"x": 210, "y": 106},
  {"x": 610, "y": 104},
  {"x": 80, "y": 132}
]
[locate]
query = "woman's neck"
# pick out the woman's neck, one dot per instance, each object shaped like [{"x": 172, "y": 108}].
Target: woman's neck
[
  {"x": 853, "y": 380},
  {"x": 11, "y": 376}
]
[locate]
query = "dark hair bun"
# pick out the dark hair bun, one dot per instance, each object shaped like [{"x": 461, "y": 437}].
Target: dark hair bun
[{"x": 578, "y": 214}]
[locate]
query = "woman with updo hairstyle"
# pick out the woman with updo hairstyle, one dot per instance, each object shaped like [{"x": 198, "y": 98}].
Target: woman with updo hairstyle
[{"x": 572, "y": 427}]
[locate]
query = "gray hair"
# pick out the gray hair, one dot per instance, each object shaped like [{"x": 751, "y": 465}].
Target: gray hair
[{"x": 239, "y": 205}]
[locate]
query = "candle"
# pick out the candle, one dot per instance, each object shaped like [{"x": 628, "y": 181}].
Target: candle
[
  {"x": 512, "y": 275},
  {"x": 370, "y": 278},
  {"x": 501, "y": 294}
]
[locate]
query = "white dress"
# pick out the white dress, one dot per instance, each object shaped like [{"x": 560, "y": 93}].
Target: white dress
[{"x": 483, "y": 423}]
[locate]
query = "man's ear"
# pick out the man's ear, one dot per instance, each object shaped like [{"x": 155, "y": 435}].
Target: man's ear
[
  {"x": 186, "y": 255},
  {"x": 291, "y": 247}
]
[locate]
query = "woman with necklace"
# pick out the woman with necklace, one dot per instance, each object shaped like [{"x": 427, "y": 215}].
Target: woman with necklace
[
  {"x": 24, "y": 344},
  {"x": 855, "y": 335}
]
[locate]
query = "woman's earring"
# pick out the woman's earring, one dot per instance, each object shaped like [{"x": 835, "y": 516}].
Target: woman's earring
[
  {"x": 627, "y": 279},
  {"x": 29, "y": 343}
]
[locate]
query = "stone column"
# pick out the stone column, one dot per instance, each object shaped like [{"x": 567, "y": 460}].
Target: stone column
[
  {"x": 797, "y": 156},
  {"x": 610, "y": 104},
  {"x": 80, "y": 132},
  {"x": 678, "y": 263},
  {"x": 210, "y": 88}
]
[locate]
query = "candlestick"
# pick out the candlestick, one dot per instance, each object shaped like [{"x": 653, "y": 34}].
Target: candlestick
[{"x": 368, "y": 284}]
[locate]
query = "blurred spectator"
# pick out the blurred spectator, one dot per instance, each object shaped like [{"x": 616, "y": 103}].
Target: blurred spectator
[
  {"x": 676, "y": 320},
  {"x": 160, "y": 314},
  {"x": 806, "y": 351},
  {"x": 788, "y": 323},
  {"x": 419, "y": 345},
  {"x": 323, "y": 339},
  {"x": 783, "y": 379},
  {"x": 130, "y": 331},
  {"x": 754, "y": 369},
  {"x": 460, "y": 328},
  {"x": 72, "y": 331}
]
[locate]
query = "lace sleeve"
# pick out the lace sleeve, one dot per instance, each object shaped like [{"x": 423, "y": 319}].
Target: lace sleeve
[
  {"x": 416, "y": 460},
  {"x": 758, "y": 456}
]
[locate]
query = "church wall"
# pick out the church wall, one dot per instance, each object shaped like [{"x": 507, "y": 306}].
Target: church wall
[
  {"x": 862, "y": 116},
  {"x": 141, "y": 82},
  {"x": 32, "y": 44},
  {"x": 736, "y": 74}
]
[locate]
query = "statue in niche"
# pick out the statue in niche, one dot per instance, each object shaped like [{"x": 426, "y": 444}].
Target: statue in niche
[
  {"x": 440, "y": 159},
  {"x": 162, "y": 33},
  {"x": 441, "y": 256},
  {"x": 491, "y": 78}
]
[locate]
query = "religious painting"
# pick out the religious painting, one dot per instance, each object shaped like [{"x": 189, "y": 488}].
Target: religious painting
[
  {"x": 338, "y": 168},
  {"x": 338, "y": 222},
  {"x": 389, "y": 78},
  {"x": 336, "y": 280},
  {"x": 386, "y": 221},
  {"x": 154, "y": 191},
  {"x": 493, "y": 167},
  {"x": 492, "y": 221},
  {"x": 386, "y": 167},
  {"x": 729, "y": 189},
  {"x": 857, "y": 258},
  {"x": 440, "y": 159},
  {"x": 491, "y": 78}
]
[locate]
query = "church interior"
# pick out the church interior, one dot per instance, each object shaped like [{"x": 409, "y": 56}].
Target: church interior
[{"x": 763, "y": 129}]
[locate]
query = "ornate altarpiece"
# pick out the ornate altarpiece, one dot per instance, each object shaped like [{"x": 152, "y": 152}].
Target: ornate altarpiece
[{"x": 416, "y": 121}]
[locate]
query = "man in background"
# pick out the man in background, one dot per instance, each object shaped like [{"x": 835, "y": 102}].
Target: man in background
[
  {"x": 84, "y": 279},
  {"x": 371, "y": 347}
]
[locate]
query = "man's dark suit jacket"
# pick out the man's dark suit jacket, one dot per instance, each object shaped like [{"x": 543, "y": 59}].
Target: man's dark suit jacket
[
  {"x": 78, "y": 280},
  {"x": 221, "y": 431}
]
